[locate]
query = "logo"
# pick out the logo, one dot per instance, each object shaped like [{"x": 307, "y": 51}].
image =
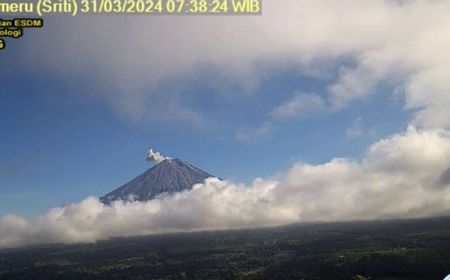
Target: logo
[{"x": 447, "y": 278}]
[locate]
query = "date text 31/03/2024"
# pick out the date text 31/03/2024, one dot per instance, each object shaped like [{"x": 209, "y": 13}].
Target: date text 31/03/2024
[
  {"x": 134, "y": 6},
  {"x": 157, "y": 6}
]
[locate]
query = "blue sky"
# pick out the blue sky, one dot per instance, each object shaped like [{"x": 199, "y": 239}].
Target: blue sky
[{"x": 83, "y": 99}]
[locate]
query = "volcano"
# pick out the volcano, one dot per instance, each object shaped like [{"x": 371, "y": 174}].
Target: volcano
[{"x": 169, "y": 176}]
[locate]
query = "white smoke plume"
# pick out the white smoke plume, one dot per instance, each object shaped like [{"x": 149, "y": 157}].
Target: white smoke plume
[
  {"x": 154, "y": 156},
  {"x": 404, "y": 176}
]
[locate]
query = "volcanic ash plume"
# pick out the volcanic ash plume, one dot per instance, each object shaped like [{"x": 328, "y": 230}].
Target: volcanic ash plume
[{"x": 154, "y": 156}]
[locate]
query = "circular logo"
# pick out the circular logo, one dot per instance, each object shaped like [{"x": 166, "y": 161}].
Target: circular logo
[{"x": 447, "y": 278}]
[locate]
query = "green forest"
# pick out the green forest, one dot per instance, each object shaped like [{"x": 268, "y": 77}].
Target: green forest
[{"x": 394, "y": 249}]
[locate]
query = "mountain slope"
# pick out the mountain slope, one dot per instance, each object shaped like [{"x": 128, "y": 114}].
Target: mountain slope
[{"x": 171, "y": 175}]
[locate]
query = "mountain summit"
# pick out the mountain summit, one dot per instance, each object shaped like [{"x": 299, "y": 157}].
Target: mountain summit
[{"x": 170, "y": 175}]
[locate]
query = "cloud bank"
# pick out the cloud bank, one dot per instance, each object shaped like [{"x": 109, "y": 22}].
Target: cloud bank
[
  {"x": 406, "y": 175},
  {"x": 400, "y": 44}
]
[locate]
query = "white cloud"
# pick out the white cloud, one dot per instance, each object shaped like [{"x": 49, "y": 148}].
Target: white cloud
[
  {"x": 405, "y": 175},
  {"x": 302, "y": 105},
  {"x": 400, "y": 43},
  {"x": 429, "y": 92}
]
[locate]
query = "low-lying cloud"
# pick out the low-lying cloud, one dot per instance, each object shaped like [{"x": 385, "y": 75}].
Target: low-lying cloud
[{"x": 406, "y": 175}]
